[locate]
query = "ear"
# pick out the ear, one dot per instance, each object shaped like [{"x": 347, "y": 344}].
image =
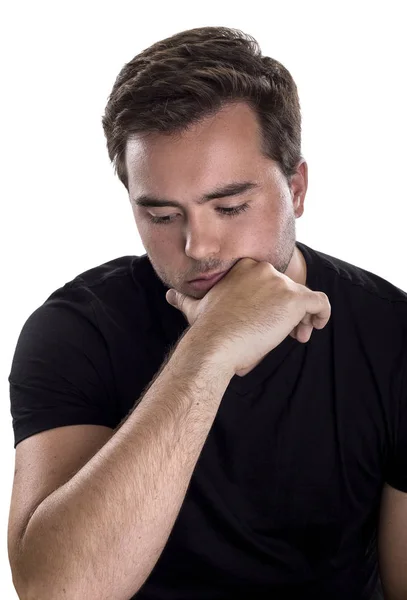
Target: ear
[{"x": 299, "y": 186}]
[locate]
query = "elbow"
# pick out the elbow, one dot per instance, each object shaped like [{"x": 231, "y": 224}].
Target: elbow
[
  {"x": 19, "y": 581},
  {"x": 23, "y": 586},
  {"x": 27, "y": 583}
]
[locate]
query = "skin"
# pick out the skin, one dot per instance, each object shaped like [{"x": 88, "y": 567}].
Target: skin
[{"x": 216, "y": 151}]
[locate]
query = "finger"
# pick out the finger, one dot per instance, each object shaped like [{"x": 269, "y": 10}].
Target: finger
[
  {"x": 175, "y": 298},
  {"x": 171, "y": 296},
  {"x": 184, "y": 304},
  {"x": 304, "y": 333},
  {"x": 319, "y": 308},
  {"x": 306, "y": 320},
  {"x": 293, "y": 333}
]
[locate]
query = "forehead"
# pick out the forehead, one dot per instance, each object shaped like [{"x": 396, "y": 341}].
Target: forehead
[{"x": 213, "y": 150}]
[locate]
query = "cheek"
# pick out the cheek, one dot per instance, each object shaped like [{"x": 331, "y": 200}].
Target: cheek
[
  {"x": 158, "y": 245},
  {"x": 156, "y": 241},
  {"x": 261, "y": 228}
]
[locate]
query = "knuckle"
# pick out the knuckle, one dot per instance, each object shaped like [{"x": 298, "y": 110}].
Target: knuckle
[
  {"x": 266, "y": 267},
  {"x": 246, "y": 262}
]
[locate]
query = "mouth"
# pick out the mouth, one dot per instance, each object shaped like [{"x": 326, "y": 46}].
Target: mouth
[
  {"x": 207, "y": 276},
  {"x": 206, "y": 282}
]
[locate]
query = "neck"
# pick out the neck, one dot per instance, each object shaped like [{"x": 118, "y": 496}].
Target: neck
[{"x": 297, "y": 269}]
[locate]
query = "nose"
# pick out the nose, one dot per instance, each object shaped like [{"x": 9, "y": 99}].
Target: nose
[{"x": 202, "y": 240}]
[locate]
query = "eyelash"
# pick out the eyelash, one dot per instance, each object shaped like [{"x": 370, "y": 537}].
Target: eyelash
[{"x": 231, "y": 211}]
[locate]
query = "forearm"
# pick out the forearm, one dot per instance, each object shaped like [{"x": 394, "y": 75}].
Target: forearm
[{"x": 100, "y": 535}]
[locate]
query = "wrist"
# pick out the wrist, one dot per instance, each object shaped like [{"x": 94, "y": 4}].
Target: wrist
[{"x": 202, "y": 347}]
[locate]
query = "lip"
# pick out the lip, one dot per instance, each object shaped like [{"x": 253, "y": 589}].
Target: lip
[
  {"x": 205, "y": 277},
  {"x": 207, "y": 282}
]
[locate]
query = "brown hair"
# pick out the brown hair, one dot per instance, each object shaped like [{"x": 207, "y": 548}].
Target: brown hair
[{"x": 191, "y": 75}]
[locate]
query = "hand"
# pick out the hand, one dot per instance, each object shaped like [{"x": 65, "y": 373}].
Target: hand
[{"x": 252, "y": 310}]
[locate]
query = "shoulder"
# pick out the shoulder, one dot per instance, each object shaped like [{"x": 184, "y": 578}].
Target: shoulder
[
  {"x": 348, "y": 278},
  {"x": 131, "y": 270},
  {"x": 360, "y": 298},
  {"x": 104, "y": 303},
  {"x": 108, "y": 287}
]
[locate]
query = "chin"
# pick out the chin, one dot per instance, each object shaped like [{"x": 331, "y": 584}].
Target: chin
[{"x": 195, "y": 295}]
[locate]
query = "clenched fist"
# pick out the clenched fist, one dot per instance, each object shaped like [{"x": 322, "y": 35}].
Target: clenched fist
[{"x": 252, "y": 310}]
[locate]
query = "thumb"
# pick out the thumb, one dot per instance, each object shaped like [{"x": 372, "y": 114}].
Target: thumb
[
  {"x": 176, "y": 299},
  {"x": 183, "y": 303},
  {"x": 171, "y": 297}
]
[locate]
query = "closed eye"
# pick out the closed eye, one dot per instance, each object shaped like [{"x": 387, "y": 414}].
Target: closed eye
[{"x": 231, "y": 211}]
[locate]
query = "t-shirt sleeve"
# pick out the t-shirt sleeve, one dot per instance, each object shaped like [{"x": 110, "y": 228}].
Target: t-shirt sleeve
[
  {"x": 61, "y": 373},
  {"x": 397, "y": 463},
  {"x": 397, "y": 467}
]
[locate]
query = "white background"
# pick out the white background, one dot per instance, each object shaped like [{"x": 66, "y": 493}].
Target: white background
[{"x": 64, "y": 211}]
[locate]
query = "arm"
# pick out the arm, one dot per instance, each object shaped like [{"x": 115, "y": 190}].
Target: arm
[
  {"x": 112, "y": 519},
  {"x": 392, "y": 543}
]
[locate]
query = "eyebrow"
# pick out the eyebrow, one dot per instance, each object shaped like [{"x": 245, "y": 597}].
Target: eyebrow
[{"x": 231, "y": 189}]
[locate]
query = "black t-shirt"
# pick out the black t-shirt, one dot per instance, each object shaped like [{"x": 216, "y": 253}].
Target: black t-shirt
[{"x": 283, "y": 501}]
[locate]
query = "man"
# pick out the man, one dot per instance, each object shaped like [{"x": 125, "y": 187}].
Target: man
[{"x": 243, "y": 435}]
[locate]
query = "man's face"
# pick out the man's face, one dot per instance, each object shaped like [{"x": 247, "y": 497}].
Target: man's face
[{"x": 197, "y": 238}]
